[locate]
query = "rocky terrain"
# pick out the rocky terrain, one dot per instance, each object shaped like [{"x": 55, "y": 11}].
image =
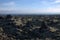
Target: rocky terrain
[{"x": 30, "y": 27}]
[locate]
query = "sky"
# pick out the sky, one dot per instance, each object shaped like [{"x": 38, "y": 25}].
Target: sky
[{"x": 30, "y": 6}]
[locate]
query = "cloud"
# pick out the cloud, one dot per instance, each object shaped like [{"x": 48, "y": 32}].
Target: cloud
[
  {"x": 54, "y": 10},
  {"x": 56, "y": 1},
  {"x": 29, "y": 10},
  {"x": 8, "y": 3},
  {"x": 50, "y": 2}
]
